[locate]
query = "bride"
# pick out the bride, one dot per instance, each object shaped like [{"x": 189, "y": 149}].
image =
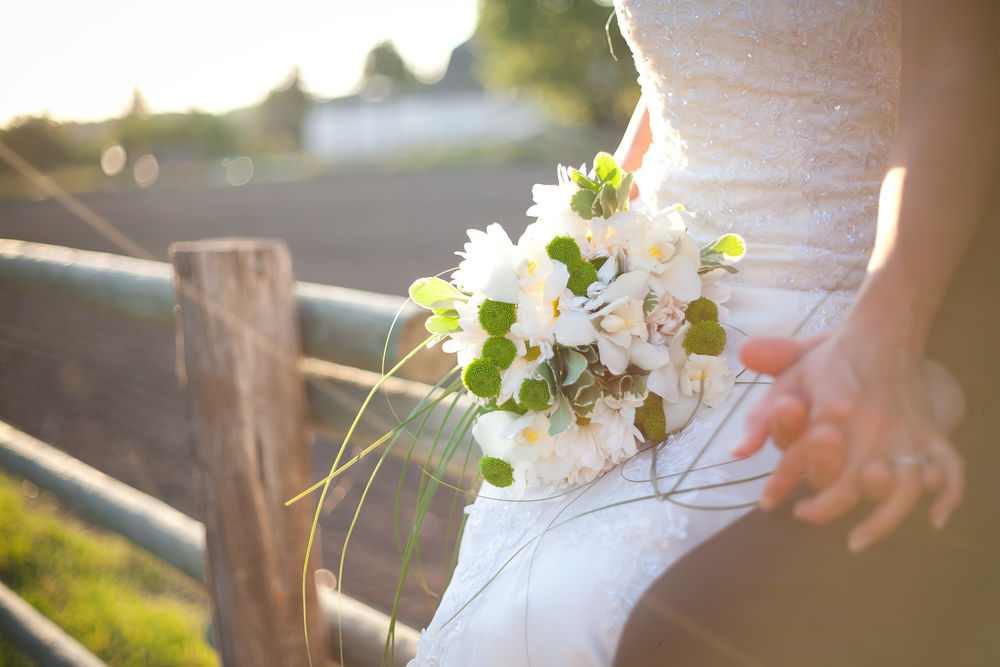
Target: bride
[{"x": 772, "y": 118}]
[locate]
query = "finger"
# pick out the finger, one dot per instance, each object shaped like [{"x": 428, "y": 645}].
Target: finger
[
  {"x": 784, "y": 478},
  {"x": 827, "y": 455},
  {"x": 831, "y": 502},
  {"x": 933, "y": 477},
  {"x": 759, "y": 420},
  {"x": 772, "y": 355},
  {"x": 788, "y": 420},
  {"x": 953, "y": 468},
  {"x": 877, "y": 480},
  {"x": 890, "y": 513}
]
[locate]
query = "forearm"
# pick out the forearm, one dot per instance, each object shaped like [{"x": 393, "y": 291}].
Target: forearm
[
  {"x": 636, "y": 139},
  {"x": 942, "y": 177}
]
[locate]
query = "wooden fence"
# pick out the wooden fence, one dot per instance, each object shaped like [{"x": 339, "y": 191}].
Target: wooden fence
[{"x": 262, "y": 359}]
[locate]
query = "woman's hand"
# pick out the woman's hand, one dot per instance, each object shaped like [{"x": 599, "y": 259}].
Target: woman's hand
[{"x": 857, "y": 416}]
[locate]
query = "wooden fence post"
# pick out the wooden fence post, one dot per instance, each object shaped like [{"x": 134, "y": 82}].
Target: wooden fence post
[{"x": 238, "y": 347}]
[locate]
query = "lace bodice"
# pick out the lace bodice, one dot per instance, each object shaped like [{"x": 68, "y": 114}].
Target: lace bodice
[{"x": 771, "y": 118}]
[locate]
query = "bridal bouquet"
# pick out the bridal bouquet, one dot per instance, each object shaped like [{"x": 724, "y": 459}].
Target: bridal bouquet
[{"x": 594, "y": 333}]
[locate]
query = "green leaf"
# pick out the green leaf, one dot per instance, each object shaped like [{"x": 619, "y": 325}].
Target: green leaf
[
  {"x": 582, "y": 204},
  {"x": 584, "y": 181},
  {"x": 445, "y": 312},
  {"x": 607, "y": 170},
  {"x": 442, "y": 325},
  {"x": 575, "y": 363},
  {"x": 650, "y": 303},
  {"x": 625, "y": 190},
  {"x": 609, "y": 200},
  {"x": 561, "y": 418},
  {"x": 434, "y": 293},
  {"x": 730, "y": 246},
  {"x": 724, "y": 267}
]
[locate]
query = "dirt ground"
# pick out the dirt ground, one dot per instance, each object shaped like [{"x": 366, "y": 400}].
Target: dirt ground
[{"x": 103, "y": 388}]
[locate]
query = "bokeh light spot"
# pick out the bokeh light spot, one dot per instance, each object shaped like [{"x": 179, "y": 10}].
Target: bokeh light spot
[
  {"x": 239, "y": 171},
  {"x": 146, "y": 170},
  {"x": 113, "y": 160}
]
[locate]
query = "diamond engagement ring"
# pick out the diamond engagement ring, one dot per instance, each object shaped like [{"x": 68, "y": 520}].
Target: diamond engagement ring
[{"x": 918, "y": 459}]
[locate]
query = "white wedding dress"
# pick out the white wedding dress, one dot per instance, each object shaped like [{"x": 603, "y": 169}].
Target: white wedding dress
[{"x": 770, "y": 118}]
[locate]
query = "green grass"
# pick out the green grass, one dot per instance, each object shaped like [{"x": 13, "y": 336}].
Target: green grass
[{"x": 121, "y": 603}]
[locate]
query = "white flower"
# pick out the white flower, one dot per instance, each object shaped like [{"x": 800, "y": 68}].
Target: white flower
[
  {"x": 716, "y": 291},
  {"x": 467, "y": 344},
  {"x": 651, "y": 249},
  {"x": 706, "y": 375},
  {"x": 619, "y": 436},
  {"x": 620, "y": 325},
  {"x": 523, "y": 442},
  {"x": 581, "y": 443},
  {"x": 489, "y": 265},
  {"x": 665, "y": 319}
]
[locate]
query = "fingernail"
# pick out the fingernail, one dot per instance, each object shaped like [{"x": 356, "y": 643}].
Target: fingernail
[
  {"x": 940, "y": 520},
  {"x": 767, "y": 502},
  {"x": 801, "y": 511},
  {"x": 858, "y": 543}
]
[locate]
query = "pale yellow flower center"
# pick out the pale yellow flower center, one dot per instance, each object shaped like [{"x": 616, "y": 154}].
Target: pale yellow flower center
[{"x": 530, "y": 435}]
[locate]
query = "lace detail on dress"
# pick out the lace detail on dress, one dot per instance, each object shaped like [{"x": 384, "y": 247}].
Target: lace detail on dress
[
  {"x": 638, "y": 539},
  {"x": 771, "y": 118}
]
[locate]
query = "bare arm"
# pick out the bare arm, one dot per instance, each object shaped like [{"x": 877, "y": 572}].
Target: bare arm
[
  {"x": 636, "y": 140},
  {"x": 865, "y": 377},
  {"x": 942, "y": 167}
]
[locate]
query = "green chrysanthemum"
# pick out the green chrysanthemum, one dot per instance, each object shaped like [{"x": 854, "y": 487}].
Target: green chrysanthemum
[
  {"x": 650, "y": 419},
  {"x": 581, "y": 276},
  {"x": 496, "y": 316},
  {"x": 563, "y": 249},
  {"x": 534, "y": 395},
  {"x": 701, "y": 310},
  {"x": 482, "y": 378},
  {"x": 496, "y": 471},
  {"x": 500, "y": 351},
  {"x": 705, "y": 338}
]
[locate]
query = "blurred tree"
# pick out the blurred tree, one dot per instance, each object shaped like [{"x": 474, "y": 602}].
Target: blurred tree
[
  {"x": 557, "y": 51},
  {"x": 38, "y": 139},
  {"x": 384, "y": 61},
  {"x": 282, "y": 114},
  {"x": 138, "y": 107},
  {"x": 192, "y": 135}
]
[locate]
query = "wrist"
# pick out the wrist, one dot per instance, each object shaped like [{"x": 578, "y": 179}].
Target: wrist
[{"x": 891, "y": 312}]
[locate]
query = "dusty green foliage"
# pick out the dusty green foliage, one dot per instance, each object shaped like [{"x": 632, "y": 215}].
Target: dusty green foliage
[{"x": 118, "y": 601}]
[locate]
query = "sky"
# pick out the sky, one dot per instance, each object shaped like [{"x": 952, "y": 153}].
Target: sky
[{"x": 80, "y": 60}]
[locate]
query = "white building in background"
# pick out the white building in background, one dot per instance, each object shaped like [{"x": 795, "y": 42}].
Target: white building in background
[{"x": 454, "y": 112}]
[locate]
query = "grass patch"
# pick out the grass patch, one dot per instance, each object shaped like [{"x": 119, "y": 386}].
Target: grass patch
[{"x": 125, "y": 606}]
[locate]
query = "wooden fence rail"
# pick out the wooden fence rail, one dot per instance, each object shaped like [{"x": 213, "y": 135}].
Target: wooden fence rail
[
  {"x": 239, "y": 345},
  {"x": 173, "y": 536}
]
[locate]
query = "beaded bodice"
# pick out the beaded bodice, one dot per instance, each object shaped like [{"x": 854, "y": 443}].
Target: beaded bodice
[{"x": 771, "y": 118}]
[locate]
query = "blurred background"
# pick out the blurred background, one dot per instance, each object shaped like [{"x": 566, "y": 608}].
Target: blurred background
[{"x": 367, "y": 135}]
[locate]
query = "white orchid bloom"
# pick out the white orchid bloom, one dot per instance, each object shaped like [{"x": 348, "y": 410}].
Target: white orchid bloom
[
  {"x": 489, "y": 265},
  {"x": 621, "y": 320},
  {"x": 524, "y": 442},
  {"x": 540, "y": 277},
  {"x": 651, "y": 249}
]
